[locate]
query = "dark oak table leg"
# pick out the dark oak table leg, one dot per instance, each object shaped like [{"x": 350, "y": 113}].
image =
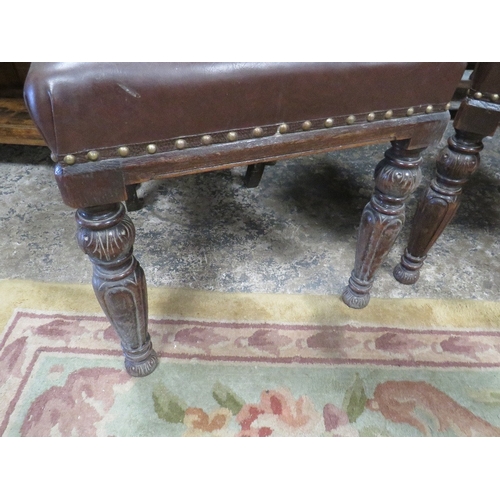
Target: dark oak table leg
[
  {"x": 455, "y": 164},
  {"x": 475, "y": 120},
  {"x": 254, "y": 173},
  {"x": 133, "y": 203},
  {"x": 106, "y": 234},
  {"x": 396, "y": 177}
]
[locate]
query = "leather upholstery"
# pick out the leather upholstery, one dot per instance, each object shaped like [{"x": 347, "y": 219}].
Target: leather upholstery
[
  {"x": 85, "y": 106},
  {"x": 486, "y": 78}
]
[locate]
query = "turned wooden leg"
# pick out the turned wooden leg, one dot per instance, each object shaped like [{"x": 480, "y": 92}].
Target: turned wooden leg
[
  {"x": 455, "y": 164},
  {"x": 396, "y": 177},
  {"x": 106, "y": 234},
  {"x": 134, "y": 203},
  {"x": 254, "y": 174}
]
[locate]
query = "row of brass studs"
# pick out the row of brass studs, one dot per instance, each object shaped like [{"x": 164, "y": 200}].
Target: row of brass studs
[
  {"x": 284, "y": 128},
  {"x": 488, "y": 96}
]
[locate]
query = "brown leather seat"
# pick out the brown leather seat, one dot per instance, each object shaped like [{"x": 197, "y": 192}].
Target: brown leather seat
[{"x": 81, "y": 107}]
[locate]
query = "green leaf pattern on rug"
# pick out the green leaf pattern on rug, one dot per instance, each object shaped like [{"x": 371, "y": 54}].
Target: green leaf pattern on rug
[
  {"x": 374, "y": 432},
  {"x": 489, "y": 397},
  {"x": 355, "y": 400},
  {"x": 227, "y": 399},
  {"x": 168, "y": 406}
]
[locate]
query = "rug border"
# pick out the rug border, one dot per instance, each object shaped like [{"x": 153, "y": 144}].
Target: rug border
[{"x": 257, "y": 307}]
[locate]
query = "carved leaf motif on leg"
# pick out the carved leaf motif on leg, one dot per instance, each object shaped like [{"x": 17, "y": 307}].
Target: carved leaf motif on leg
[{"x": 109, "y": 243}]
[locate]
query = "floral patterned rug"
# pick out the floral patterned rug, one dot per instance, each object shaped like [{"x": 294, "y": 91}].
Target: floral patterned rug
[{"x": 249, "y": 365}]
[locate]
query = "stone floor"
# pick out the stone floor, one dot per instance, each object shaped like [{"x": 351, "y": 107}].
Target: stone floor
[{"x": 295, "y": 233}]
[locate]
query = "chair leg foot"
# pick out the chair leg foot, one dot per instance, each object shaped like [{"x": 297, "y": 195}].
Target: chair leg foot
[
  {"x": 142, "y": 361},
  {"x": 407, "y": 272},
  {"x": 357, "y": 294}
]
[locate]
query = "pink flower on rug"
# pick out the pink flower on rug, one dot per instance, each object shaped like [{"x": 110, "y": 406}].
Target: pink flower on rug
[
  {"x": 428, "y": 409},
  {"x": 265, "y": 340},
  {"x": 61, "y": 329},
  {"x": 202, "y": 338},
  {"x": 337, "y": 422},
  {"x": 398, "y": 343},
  {"x": 110, "y": 334},
  {"x": 201, "y": 424},
  {"x": 57, "y": 369},
  {"x": 463, "y": 346},
  {"x": 279, "y": 414},
  {"x": 331, "y": 340},
  {"x": 12, "y": 359},
  {"x": 269, "y": 341},
  {"x": 76, "y": 408}
]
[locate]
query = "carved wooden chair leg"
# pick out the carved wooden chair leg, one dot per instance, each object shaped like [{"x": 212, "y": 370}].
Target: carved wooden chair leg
[
  {"x": 254, "y": 174},
  {"x": 134, "y": 203},
  {"x": 396, "y": 177},
  {"x": 106, "y": 234},
  {"x": 455, "y": 164}
]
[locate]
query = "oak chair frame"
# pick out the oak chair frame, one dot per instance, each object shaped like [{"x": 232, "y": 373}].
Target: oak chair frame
[{"x": 98, "y": 190}]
